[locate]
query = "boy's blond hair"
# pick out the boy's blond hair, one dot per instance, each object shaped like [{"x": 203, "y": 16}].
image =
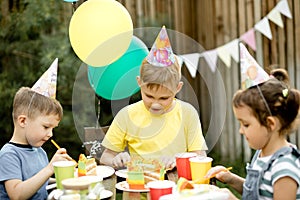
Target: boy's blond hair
[
  {"x": 155, "y": 77},
  {"x": 32, "y": 104}
]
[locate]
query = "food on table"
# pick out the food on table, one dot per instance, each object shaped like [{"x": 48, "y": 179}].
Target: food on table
[
  {"x": 151, "y": 176},
  {"x": 86, "y": 166},
  {"x": 135, "y": 180},
  {"x": 183, "y": 184},
  {"x": 141, "y": 171}
]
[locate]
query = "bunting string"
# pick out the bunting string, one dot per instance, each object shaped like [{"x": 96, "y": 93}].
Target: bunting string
[{"x": 230, "y": 49}]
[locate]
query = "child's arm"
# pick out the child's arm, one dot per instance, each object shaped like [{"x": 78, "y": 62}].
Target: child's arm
[
  {"x": 285, "y": 188},
  {"x": 18, "y": 189},
  {"x": 115, "y": 159},
  {"x": 200, "y": 153},
  {"x": 225, "y": 176}
]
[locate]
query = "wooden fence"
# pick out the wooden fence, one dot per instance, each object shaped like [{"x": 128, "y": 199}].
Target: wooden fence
[{"x": 213, "y": 23}]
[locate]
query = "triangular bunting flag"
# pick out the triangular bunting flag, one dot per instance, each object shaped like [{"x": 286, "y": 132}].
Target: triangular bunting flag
[
  {"x": 191, "y": 62},
  {"x": 224, "y": 55},
  {"x": 233, "y": 49},
  {"x": 211, "y": 59},
  {"x": 179, "y": 60},
  {"x": 46, "y": 85},
  {"x": 283, "y": 8},
  {"x": 275, "y": 17},
  {"x": 249, "y": 38},
  {"x": 263, "y": 26}
]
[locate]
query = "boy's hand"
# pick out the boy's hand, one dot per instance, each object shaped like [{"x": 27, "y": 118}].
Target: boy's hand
[
  {"x": 60, "y": 155},
  {"x": 169, "y": 162},
  {"x": 120, "y": 160}
]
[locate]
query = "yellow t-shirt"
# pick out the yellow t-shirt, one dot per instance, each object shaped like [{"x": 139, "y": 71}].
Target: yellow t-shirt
[{"x": 149, "y": 135}]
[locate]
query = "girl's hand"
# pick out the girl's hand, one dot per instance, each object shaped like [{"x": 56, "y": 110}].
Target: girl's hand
[
  {"x": 121, "y": 159},
  {"x": 221, "y": 173}
]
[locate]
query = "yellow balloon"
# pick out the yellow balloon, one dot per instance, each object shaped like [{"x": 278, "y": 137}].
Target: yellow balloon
[{"x": 100, "y": 31}]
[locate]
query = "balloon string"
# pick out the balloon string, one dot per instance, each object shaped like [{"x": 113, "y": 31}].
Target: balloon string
[
  {"x": 98, "y": 115},
  {"x": 91, "y": 75},
  {"x": 74, "y": 6}
]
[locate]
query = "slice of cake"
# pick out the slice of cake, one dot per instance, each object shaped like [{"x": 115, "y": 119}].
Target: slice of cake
[
  {"x": 152, "y": 176},
  {"x": 135, "y": 180},
  {"x": 86, "y": 166},
  {"x": 183, "y": 184},
  {"x": 141, "y": 171}
]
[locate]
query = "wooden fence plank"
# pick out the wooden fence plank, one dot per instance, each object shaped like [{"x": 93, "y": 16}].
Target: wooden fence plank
[
  {"x": 258, "y": 36},
  {"x": 296, "y": 17},
  {"x": 273, "y": 48}
]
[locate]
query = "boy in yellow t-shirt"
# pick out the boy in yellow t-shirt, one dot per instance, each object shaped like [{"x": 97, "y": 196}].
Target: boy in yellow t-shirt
[{"x": 158, "y": 126}]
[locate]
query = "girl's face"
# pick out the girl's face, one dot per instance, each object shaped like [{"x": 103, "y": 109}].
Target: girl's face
[
  {"x": 39, "y": 130},
  {"x": 256, "y": 135},
  {"x": 157, "y": 100}
]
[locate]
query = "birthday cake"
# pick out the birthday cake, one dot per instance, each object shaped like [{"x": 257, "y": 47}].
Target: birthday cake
[
  {"x": 86, "y": 166},
  {"x": 140, "y": 172}
]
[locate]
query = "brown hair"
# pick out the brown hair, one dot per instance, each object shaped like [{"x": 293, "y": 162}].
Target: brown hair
[
  {"x": 282, "y": 105},
  {"x": 281, "y": 74},
  {"x": 33, "y": 104},
  {"x": 155, "y": 77}
]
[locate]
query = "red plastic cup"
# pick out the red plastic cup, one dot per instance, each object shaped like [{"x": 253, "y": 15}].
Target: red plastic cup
[
  {"x": 160, "y": 188},
  {"x": 183, "y": 164}
]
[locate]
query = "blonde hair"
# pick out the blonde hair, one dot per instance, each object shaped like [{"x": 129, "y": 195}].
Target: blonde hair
[
  {"x": 155, "y": 77},
  {"x": 33, "y": 104}
]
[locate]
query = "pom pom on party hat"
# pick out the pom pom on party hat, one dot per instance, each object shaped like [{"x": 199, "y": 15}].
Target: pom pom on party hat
[
  {"x": 161, "y": 53},
  {"x": 251, "y": 73},
  {"x": 46, "y": 85}
]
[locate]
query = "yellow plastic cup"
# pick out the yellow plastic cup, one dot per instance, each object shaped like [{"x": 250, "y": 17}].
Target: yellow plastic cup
[
  {"x": 63, "y": 170},
  {"x": 199, "y": 168}
]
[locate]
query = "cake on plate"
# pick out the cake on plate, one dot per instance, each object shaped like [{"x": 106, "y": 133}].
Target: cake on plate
[
  {"x": 141, "y": 171},
  {"x": 183, "y": 184},
  {"x": 86, "y": 166}
]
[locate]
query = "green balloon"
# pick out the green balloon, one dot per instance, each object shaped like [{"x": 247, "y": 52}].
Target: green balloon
[{"x": 118, "y": 80}]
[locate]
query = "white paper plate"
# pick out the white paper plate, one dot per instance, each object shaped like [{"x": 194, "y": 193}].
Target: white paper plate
[
  {"x": 201, "y": 191},
  {"x": 205, "y": 196},
  {"x": 125, "y": 187},
  {"x": 121, "y": 173},
  {"x": 102, "y": 170},
  {"x": 55, "y": 194},
  {"x": 105, "y": 194},
  {"x": 105, "y": 171},
  {"x": 51, "y": 186}
]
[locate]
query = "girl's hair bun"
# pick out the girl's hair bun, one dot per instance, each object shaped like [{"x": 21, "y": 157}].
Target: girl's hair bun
[{"x": 281, "y": 75}]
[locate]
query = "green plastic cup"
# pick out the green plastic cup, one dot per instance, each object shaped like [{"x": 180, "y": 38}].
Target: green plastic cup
[{"x": 63, "y": 170}]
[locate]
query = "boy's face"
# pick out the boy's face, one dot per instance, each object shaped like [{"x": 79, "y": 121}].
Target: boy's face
[
  {"x": 158, "y": 100},
  {"x": 39, "y": 130}
]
